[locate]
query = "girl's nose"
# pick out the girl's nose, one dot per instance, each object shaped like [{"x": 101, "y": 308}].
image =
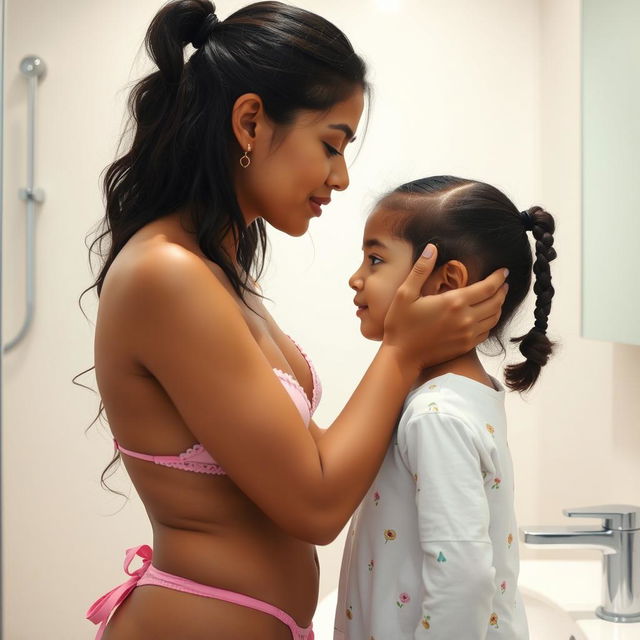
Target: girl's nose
[{"x": 356, "y": 282}]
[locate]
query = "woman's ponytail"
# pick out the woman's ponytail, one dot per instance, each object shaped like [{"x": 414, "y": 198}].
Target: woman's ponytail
[
  {"x": 173, "y": 27},
  {"x": 535, "y": 346}
]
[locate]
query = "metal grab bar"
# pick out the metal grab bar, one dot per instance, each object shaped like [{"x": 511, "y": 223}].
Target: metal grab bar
[{"x": 34, "y": 68}]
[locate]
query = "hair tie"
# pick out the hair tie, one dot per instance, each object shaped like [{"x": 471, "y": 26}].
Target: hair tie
[
  {"x": 527, "y": 220},
  {"x": 204, "y": 32}
]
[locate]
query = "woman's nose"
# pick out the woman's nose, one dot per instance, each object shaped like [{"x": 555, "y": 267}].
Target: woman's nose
[{"x": 339, "y": 177}]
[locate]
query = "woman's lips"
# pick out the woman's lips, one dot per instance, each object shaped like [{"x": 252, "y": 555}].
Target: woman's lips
[
  {"x": 317, "y": 203},
  {"x": 361, "y": 309}
]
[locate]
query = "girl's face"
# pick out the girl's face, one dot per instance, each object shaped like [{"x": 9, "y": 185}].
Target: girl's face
[
  {"x": 386, "y": 263},
  {"x": 293, "y": 173}
]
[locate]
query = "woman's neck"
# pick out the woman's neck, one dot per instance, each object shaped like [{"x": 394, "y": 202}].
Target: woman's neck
[{"x": 467, "y": 365}]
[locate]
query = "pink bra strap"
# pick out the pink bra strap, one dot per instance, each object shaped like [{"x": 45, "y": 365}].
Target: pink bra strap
[
  {"x": 133, "y": 454},
  {"x": 100, "y": 611},
  {"x": 145, "y": 456}
]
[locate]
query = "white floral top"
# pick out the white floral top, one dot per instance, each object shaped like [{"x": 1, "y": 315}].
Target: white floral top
[{"x": 432, "y": 551}]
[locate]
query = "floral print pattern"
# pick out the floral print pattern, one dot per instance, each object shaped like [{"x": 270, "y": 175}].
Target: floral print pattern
[
  {"x": 389, "y": 534},
  {"x": 403, "y": 599},
  {"x": 387, "y": 563}
]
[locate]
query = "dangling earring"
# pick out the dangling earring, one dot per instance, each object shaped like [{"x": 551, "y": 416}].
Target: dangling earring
[{"x": 245, "y": 160}]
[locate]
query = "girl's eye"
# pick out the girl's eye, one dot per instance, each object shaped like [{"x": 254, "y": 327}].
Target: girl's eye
[
  {"x": 332, "y": 150},
  {"x": 372, "y": 260}
]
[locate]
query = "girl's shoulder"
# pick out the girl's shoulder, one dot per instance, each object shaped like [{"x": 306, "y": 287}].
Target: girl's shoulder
[
  {"x": 439, "y": 395},
  {"x": 452, "y": 397}
]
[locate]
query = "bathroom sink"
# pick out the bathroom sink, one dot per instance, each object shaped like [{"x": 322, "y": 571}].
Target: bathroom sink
[{"x": 547, "y": 620}]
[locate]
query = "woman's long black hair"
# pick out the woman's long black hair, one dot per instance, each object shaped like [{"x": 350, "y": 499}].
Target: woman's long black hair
[
  {"x": 183, "y": 147},
  {"x": 477, "y": 224}
]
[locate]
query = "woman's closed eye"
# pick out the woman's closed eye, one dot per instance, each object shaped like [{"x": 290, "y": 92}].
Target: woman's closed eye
[{"x": 331, "y": 150}]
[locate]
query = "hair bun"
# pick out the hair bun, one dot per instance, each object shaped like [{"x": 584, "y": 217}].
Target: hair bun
[{"x": 206, "y": 29}]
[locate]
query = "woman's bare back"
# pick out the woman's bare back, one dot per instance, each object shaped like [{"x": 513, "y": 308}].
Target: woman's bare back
[{"x": 205, "y": 528}]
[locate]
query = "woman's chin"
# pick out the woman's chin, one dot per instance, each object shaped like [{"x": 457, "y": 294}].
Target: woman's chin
[
  {"x": 299, "y": 232},
  {"x": 294, "y": 230}
]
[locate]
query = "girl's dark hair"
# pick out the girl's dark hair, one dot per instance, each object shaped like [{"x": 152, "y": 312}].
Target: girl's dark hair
[
  {"x": 183, "y": 150},
  {"x": 477, "y": 224}
]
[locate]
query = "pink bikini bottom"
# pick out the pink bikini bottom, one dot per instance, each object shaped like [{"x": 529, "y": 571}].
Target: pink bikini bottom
[{"x": 101, "y": 610}]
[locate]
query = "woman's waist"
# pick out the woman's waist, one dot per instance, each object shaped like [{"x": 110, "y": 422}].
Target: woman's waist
[{"x": 269, "y": 566}]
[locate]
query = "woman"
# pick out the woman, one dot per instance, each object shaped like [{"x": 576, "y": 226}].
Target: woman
[{"x": 252, "y": 128}]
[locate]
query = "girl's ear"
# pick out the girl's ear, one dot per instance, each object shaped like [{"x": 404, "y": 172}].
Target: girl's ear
[{"x": 451, "y": 275}]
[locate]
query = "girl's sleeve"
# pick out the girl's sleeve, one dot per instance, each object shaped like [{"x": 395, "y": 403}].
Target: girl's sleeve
[{"x": 444, "y": 456}]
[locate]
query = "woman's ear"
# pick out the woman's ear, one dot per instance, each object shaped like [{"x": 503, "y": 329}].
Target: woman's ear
[
  {"x": 451, "y": 275},
  {"x": 247, "y": 116}
]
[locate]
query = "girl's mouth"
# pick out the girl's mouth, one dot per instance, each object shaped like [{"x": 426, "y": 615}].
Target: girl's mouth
[{"x": 315, "y": 207}]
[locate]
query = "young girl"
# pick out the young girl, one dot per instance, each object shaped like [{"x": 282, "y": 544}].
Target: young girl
[
  {"x": 209, "y": 401},
  {"x": 432, "y": 551}
]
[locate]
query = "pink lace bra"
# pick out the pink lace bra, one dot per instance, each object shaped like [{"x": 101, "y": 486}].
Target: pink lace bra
[{"x": 199, "y": 460}]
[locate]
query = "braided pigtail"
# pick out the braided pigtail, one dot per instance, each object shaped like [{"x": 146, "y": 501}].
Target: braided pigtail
[{"x": 535, "y": 346}]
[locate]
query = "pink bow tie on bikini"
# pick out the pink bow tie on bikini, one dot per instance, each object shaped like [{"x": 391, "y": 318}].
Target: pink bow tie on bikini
[
  {"x": 100, "y": 611},
  {"x": 147, "y": 574}
]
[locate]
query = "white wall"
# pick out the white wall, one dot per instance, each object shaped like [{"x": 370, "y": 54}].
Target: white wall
[{"x": 487, "y": 90}]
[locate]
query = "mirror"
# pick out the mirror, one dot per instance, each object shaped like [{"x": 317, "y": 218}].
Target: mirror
[{"x": 611, "y": 164}]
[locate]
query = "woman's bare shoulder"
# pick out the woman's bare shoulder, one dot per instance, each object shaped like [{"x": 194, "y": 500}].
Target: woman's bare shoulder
[{"x": 162, "y": 268}]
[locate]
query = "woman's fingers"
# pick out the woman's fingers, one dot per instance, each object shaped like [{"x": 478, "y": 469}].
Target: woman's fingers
[
  {"x": 478, "y": 292},
  {"x": 491, "y": 306},
  {"x": 420, "y": 272},
  {"x": 483, "y": 328}
]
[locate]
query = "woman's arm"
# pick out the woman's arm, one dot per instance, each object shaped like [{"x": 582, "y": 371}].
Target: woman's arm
[{"x": 188, "y": 332}]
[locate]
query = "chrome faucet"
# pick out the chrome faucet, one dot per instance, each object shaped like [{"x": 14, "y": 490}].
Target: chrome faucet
[{"x": 619, "y": 541}]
